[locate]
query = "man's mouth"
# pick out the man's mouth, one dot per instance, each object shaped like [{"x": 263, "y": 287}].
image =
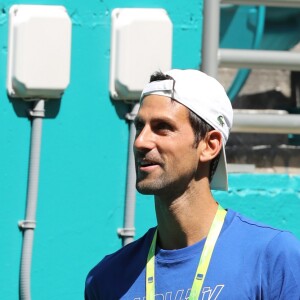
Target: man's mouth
[{"x": 147, "y": 165}]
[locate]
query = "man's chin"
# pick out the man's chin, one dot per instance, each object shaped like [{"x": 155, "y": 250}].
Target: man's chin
[{"x": 146, "y": 189}]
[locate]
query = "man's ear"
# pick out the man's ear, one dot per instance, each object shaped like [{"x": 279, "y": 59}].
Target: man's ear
[{"x": 210, "y": 146}]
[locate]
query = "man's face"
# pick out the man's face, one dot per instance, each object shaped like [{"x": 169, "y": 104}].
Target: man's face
[{"x": 165, "y": 154}]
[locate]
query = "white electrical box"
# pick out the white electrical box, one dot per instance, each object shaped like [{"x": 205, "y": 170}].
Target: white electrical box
[
  {"x": 141, "y": 43},
  {"x": 39, "y": 51}
]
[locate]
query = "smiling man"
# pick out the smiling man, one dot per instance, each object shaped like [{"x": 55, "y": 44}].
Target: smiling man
[{"x": 198, "y": 249}]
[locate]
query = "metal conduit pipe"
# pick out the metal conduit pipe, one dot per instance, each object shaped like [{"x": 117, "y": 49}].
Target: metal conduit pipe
[
  {"x": 28, "y": 225},
  {"x": 210, "y": 40},
  {"x": 259, "y": 59},
  {"x": 128, "y": 231},
  {"x": 266, "y": 123},
  {"x": 279, "y": 3}
]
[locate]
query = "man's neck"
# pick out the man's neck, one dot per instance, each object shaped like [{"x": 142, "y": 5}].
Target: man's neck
[{"x": 185, "y": 220}]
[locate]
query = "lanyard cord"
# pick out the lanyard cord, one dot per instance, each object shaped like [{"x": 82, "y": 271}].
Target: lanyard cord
[{"x": 203, "y": 262}]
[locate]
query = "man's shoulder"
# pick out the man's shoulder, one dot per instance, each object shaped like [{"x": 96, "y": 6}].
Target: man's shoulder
[
  {"x": 244, "y": 223},
  {"x": 128, "y": 256},
  {"x": 122, "y": 266},
  {"x": 268, "y": 258},
  {"x": 262, "y": 235}
]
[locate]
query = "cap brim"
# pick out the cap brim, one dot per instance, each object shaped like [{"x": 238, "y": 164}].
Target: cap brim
[{"x": 219, "y": 180}]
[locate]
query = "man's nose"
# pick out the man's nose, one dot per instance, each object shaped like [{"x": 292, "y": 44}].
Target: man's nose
[{"x": 144, "y": 139}]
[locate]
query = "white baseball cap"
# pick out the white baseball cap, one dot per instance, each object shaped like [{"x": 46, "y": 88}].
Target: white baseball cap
[{"x": 206, "y": 97}]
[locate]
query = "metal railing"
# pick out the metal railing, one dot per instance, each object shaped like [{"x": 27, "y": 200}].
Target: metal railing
[
  {"x": 213, "y": 57},
  {"x": 259, "y": 59},
  {"x": 278, "y": 3}
]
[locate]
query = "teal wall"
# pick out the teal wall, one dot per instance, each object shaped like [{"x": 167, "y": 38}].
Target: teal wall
[
  {"x": 83, "y": 159},
  {"x": 272, "y": 199}
]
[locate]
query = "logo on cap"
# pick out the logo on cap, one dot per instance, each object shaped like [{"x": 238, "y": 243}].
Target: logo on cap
[{"x": 221, "y": 120}]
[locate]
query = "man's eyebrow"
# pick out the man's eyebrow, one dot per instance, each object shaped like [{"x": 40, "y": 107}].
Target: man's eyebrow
[{"x": 163, "y": 118}]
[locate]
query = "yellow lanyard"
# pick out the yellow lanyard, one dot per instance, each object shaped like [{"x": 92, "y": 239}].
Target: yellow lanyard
[{"x": 203, "y": 262}]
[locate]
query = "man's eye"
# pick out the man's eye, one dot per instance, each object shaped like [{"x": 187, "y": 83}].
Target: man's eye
[{"x": 163, "y": 127}]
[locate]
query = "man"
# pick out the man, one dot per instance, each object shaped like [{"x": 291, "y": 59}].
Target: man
[{"x": 198, "y": 250}]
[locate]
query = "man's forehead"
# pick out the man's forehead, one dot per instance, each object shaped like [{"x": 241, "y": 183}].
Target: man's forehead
[
  {"x": 156, "y": 106},
  {"x": 160, "y": 101}
]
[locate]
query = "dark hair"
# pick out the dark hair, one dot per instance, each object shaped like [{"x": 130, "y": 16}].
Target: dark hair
[
  {"x": 159, "y": 75},
  {"x": 199, "y": 126}
]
